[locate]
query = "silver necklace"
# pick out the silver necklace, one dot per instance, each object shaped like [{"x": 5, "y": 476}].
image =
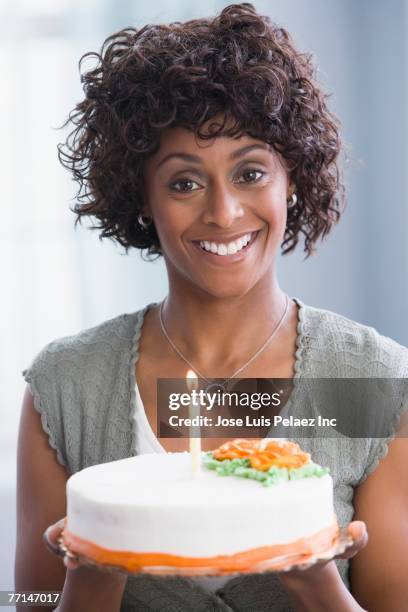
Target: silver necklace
[{"x": 245, "y": 365}]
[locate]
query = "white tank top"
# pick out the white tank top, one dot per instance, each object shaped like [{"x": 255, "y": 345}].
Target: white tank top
[{"x": 147, "y": 442}]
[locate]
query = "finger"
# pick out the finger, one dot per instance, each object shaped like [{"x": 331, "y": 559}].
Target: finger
[
  {"x": 52, "y": 534},
  {"x": 49, "y": 540},
  {"x": 71, "y": 562},
  {"x": 54, "y": 530},
  {"x": 358, "y": 532}
]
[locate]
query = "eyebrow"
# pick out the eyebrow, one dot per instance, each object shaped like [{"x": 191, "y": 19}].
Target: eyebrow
[{"x": 195, "y": 159}]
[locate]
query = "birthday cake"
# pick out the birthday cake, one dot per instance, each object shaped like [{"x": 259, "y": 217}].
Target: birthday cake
[{"x": 252, "y": 502}]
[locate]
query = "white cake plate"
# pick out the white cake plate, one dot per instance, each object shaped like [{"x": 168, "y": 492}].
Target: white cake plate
[{"x": 284, "y": 563}]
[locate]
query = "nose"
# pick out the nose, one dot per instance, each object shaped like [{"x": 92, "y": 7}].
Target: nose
[{"x": 222, "y": 208}]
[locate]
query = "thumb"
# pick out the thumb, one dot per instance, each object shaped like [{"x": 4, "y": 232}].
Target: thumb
[
  {"x": 358, "y": 531},
  {"x": 52, "y": 533}
]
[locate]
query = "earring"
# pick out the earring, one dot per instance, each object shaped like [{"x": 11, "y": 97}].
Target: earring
[
  {"x": 144, "y": 221},
  {"x": 292, "y": 201}
]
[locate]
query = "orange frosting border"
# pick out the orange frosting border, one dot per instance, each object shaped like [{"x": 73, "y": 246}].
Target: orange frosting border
[{"x": 242, "y": 561}]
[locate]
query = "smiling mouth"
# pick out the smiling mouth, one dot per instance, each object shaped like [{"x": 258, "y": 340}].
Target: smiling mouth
[{"x": 224, "y": 249}]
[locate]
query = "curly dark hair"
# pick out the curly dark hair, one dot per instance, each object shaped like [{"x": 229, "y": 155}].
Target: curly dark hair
[{"x": 239, "y": 65}]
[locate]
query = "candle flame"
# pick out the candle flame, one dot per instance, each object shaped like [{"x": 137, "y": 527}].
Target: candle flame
[{"x": 192, "y": 380}]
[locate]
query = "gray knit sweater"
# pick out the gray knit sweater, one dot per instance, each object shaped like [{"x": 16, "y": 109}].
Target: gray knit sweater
[{"x": 84, "y": 389}]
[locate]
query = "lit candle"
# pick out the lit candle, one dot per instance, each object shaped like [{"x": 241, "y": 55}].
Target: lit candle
[{"x": 195, "y": 438}]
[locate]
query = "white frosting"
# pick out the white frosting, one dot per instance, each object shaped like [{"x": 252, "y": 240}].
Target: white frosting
[{"x": 152, "y": 503}]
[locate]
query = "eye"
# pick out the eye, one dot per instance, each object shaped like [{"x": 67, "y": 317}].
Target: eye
[
  {"x": 183, "y": 185},
  {"x": 249, "y": 175}
]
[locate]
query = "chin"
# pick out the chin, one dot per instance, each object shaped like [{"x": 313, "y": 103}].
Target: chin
[{"x": 226, "y": 290}]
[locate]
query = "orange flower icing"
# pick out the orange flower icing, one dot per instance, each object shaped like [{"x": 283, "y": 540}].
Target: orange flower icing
[{"x": 263, "y": 454}]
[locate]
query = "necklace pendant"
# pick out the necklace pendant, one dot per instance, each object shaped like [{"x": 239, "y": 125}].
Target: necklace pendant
[{"x": 213, "y": 387}]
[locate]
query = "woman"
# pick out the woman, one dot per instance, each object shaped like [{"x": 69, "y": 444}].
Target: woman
[{"x": 210, "y": 144}]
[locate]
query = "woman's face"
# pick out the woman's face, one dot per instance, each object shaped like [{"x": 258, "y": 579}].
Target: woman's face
[{"x": 207, "y": 199}]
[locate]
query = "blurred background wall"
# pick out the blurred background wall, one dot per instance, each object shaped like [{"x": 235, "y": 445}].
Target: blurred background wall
[{"x": 56, "y": 281}]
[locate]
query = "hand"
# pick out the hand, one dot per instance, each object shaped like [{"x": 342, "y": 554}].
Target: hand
[
  {"x": 88, "y": 588},
  {"x": 51, "y": 536},
  {"x": 320, "y": 585},
  {"x": 358, "y": 532}
]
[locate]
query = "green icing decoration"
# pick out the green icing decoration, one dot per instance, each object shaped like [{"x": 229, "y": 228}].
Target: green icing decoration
[{"x": 275, "y": 475}]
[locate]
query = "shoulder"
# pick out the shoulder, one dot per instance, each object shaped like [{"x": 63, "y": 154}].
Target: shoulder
[
  {"x": 81, "y": 388},
  {"x": 359, "y": 349},
  {"x": 99, "y": 342}
]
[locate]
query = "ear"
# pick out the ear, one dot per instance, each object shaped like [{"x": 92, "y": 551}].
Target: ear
[{"x": 291, "y": 189}]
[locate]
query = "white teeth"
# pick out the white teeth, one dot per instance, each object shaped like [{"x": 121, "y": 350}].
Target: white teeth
[{"x": 226, "y": 249}]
